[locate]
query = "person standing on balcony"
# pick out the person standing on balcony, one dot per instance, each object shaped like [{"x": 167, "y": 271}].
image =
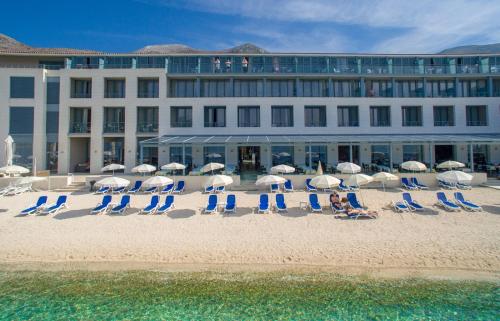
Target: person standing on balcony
[
  {"x": 228, "y": 65},
  {"x": 244, "y": 64},
  {"x": 217, "y": 64}
]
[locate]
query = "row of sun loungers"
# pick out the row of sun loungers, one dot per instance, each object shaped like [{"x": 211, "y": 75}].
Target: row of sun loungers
[
  {"x": 154, "y": 207},
  {"x": 448, "y": 185},
  {"x": 412, "y": 184},
  {"x": 170, "y": 188},
  {"x": 15, "y": 190},
  {"x": 42, "y": 207},
  {"x": 459, "y": 202}
]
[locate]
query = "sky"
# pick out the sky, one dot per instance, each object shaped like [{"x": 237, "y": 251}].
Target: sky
[{"x": 363, "y": 26}]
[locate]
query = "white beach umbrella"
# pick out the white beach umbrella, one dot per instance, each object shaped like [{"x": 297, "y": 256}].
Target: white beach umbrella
[
  {"x": 282, "y": 169},
  {"x": 14, "y": 169},
  {"x": 348, "y": 168},
  {"x": 218, "y": 180},
  {"x": 210, "y": 167},
  {"x": 384, "y": 177},
  {"x": 359, "y": 179},
  {"x": 325, "y": 181},
  {"x": 173, "y": 166},
  {"x": 270, "y": 179},
  {"x": 319, "y": 170},
  {"x": 112, "y": 168},
  {"x": 451, "y": 164},
  {"x": 157, "y": 181},
  {"x": 113, "y": 182},
  {"x": 8, "y": 150},
  {"x": 454, "y": 177},
  {"x": 143, "y": 168},
  {"x": 413, "y": 166}
]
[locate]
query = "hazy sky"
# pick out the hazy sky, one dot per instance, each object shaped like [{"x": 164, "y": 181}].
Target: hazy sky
[{"x": 418, "y": 26}]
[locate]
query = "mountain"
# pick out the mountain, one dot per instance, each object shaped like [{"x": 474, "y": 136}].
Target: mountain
[
  {"x": 178, "y": 48},
  {"x": 8, "y": 44},
  {"x": 493, "y": 48}
]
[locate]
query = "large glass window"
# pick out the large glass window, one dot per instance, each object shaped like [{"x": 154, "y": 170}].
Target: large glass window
[
  {"x": 22, "y": 87},
  {"x": 314, "y": 154},
  {"x": 315, "y": 116},
  {"x": 496, "y": 87},
  {"x": 413, "y": 153},
  {"x": 182, "y": 88},
  {"x": 282, "y": 116},
  {"x": 314, "y": 87},
  {"x": 346, "y": 88},
  {"x": 348, "y": 116},
  {"x": 21, "y": 130},
  {"x": 148, "y": 88},
  {"x": 181, "y": 116},
  {"x": 409, "y": 88},
  {"x": 282, "y": 155},
  {"x": 380, "y": 116},
  {"x": 147, "y": 119},
  {"x": 214, "y": 154},
  {"x": 185, "y": 157},
  {"x": 444, "y": 116},
  {"x": 472, "y": 88},
  {"x": 114, "y": 88},
  {"x": 440, "y": 88},
  {"x": 248, "y": 116},
  {"x": 481, "y": 157},
  {"x": 381, "y": 155},
  {"x": 344, "y": 153},
  {"x": 215, "y": 116},
  {"x": 378, "y": 88},
  {"x": 81, "y": 88},
  {"x": 80, "y": 120},
  {"x": 280, "y": 88},
  {"x": 248, "y": 88},
  {"x": 149, "y": 153},
  {"x": 53, "y": 88},
  {"x": 476, "y": 116},
  {"x": 114, "y": 120},
  {"x": 411, "y": 116},
  {"x": 113, "y": 150},
  {"x": 215, "y": 88}
]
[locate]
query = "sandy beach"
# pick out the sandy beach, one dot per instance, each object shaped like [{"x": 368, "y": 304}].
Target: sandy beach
[{"x": 434, "y": 240}]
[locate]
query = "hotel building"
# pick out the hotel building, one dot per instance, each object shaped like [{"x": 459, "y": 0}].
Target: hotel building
[{"x": 77, "y": 112}]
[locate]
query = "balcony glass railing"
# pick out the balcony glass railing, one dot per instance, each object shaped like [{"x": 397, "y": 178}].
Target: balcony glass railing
[
  {"x": 477, "y": 123},
  {"x": 248, "y": 124},
  {"x": 351, "y": 123},
  {"x": 215, "y": 124},
  {"x": 114, "y": 94},
  {"x": 147, "y": 127},
  {"x": 412, "y": 123},
  {"x": 147, "y": 94},
  {"x": 114, "y": 127},
  {"x": 79, "y": 127},
  {"x": 316, "y": 124},
  {"x": 282, "y": 124},
  {"x": 81, "y": 95},
  {"x": 381, "y": 123},
  {"x": 444, "y": 123}
]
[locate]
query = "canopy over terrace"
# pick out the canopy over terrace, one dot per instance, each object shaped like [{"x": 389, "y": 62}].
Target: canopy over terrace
[{"x": 431, "y": 139}]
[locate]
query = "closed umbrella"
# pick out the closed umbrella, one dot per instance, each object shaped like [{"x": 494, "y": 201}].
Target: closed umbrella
[
  {"x": 113, "y": 182},
  {"x": 282, "y": 169},
  {"x": 319, "y": 171},
  {"x": 455, "y": 177},
  {"x": 384, "y": 177},
  {"x": 157, "y": 181},
  {"x": 210, "y": 167},
  {"x": 218, "y": 180},
  {"x": 451, "y": 164},
  {"x": 14, "y": 170},
  {"x": 348, "y": 168},
  {"x": 414, "y": 166},
  {"x": 112, "y": 168},
  {"x": 268, "y": 180},
  {"x": 8, "y": 150},
  {"x": 143, "y": 169},
  {"x": 325, "y": 181}
]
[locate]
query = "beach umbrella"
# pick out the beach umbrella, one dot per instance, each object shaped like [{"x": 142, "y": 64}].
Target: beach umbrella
[
  {"x": 8, "y": 150},
  {"x": 282, "y": 169},
  {"x": 348, "y": 168},
  {"x": 157, "y": 181},
  {"x": 454, "y": 177},
  {"x": 451, "y": 164},
  {"x": 218, "y": 180},
  {"x": 270, "y": 179},
  {"x": 359, "y": 179},
  {"x": 319, "y": 170},
  {"x": 112, "y": 168},
  {"x": 113, "y": 182},
  {"x": 211, "y": 167},
  {"x": 413, "y": 166},
  {"x": 384, "y": 177},
  {"x": 325, "y": 181},
  {"x": 143, "y": 169},
  {"x": 14, "y": 170},
  {"x": 173, "y": 166}
]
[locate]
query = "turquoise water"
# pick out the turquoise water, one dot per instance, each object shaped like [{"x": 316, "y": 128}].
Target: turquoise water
[{"x": 210, "y": 296}]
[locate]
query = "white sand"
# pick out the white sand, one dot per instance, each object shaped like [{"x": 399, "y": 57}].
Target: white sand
[{"x": 434, "y": 239}]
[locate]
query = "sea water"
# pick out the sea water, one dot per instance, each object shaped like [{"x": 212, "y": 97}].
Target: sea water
[{"x": 144, "y": 295}]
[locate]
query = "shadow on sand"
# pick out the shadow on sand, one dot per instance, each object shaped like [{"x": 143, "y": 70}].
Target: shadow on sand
[
  {"x": 491, "y": 209},
  {"x": 240, "y": 211},
  {"x": 181, "y": 213}
]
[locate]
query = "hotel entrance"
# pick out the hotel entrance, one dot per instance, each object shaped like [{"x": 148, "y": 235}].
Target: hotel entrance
[{"x": 248, "y": 162}]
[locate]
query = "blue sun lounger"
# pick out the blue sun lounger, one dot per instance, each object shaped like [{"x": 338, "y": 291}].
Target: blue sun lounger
[
  {"x": 264, "y": 203},
  {"x": 211, "y": 204},
  {"x": 136, "y": 188},
  {"x": 463, "y": 186},
  {"x": 118, "y": 190},
  {"x": 104, "y": 206},
  {"x": 445, "y": 203},
  {"x": 42, "y": 200},
  {"x": 336, "y": 209},
  {"x": 102, "y": 190},
  {"x": 230, "y": 204},
  {"x": 414, "y": 206},
  {"x": 400, "y": 206},
  {"x": 208, "y": 189},
  {"x": 407, "y": 184},
  {"x": 122, "y": 207},
  {"x": 275, "y": 188},
  {"x": 167, "y": 189},
  {"x": 314, "y": 203},
  {"x": 466, "y": 204},
  {"x": 416, "y": 183},
  {"x": 288, "y": 186},
  {"x": 150, "y": 190},
  {"x": 343, "y": 187},
  {"x": 60, "y": 203},
  {"x": 309, "y": 187},
  {"x": 280, "y": 203},
  {"x": 153, "y": 205},
  {"x": 353, "y": 201},
  {"x": 446, "y": 185},
  {"x": 167, "y": 206},
  {"x": 220, "y": 189},
  {"x": 180, "y": 187}
]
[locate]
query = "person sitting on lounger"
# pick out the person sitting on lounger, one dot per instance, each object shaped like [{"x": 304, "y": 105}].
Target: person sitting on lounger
[
  {"x": 351, "y": 212},
  {"x": 335, "y": 200}
]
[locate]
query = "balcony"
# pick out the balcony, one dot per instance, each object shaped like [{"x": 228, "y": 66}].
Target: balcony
[
  {"x": 351, "y": 123},
  {"x": 248, "y": 124},
  {"x": 79, "y": 127},
  {"x": 316, "y": 123},
  {"x": 215, "y": 124},
  {"x": 147, "y": 94},
  {"x": 477, "y": 123},
  {"x": 147, "y": 127},
  {"x": 282, "y": 124},
  {"x": 114, "y": 94},
  {"x": 81, "y": 95},
  {"x": 114, "y": 127},
  {"x": 175, "y": 124},
  {"x": 412, "y": 123},
  {"x": 381, "y": 123},
  {"x": 444, "y": 123}
]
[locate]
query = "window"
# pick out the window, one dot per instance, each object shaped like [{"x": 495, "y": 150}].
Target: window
[
  {"x": 181, "y": 116},
  {"x": 344, "y": 153},
  {"x": 413, "y": 153},
  {"x": 315, "y": 116},
  {"x": 496, "y": 88},
  {"x": 150, "y": 62},
  {"x": 114, "y": 150},
  {"x": 409, "y": 88},
  {"x": 182, "y": 156},
  {"x": 215, "y": 88},
  {"x": 21, "y": 130},
  {"x": 215, "y": 116},
  {"x": 346, "y": 88},
  {"x": 282, "y": 116},
  {"x": 114, "y": 88},
  {"x": 412, "y": 116},
  {"x": 81, "y": 88},
  {"x": 149, "y": 153},
  {"x": 114, "y": 119},
  {"x": 80, "y": 119},
  {"x": 476, "y": 116},
  {"x": 378, "y": 88},
  {"x": 348, "y": 116},
  {"x": 248, "y": 116},
  {"x": 380, "y": 116},
  {"x": 314, "y": 154},
  {"x": 381, "y": 155},
  {"x": 314, "y": 88},
  {"x": 472, "y": 88},
  {"x": 182, "y": 88},
  {"x": 440, "y": 88},
  {"x": 148, "y": 88},
  {"x": 248, "y": 88},
  {"x": 280, "y": 88},
  {"x": 214, "y": 154},
  {"x": 22, "y": 87},
  {"x": 282, "y": 155},
  {"x": 52, "y": 122},
  {"x": 147, "y": 119},
  {"x": 444, "y": 116},
  {"x": 53, "y": 90}
]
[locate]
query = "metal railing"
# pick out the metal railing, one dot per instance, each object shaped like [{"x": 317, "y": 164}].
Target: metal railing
[
  {"x": 381, "y": 123},
  {"x": 248, "y": 124},
  {"x": 147, "y": 127},
  {"x": 79, "y": 127},
  {"x": 181, "y": 124},
  {"x": 114, "y": 127},
  {"x": 81, "y": 95},
  {"x": 412, "y": 123},
  {"x": 316, "y": 123},
  {"x": 282, "y": 124},
  {"x": 147, "y": 94},
  {"x": 444, "y": 123},
  {"x": 215, "y": 124},
  {"x": 477, "y": 123},
  {"x": 351, "y": 123}
]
